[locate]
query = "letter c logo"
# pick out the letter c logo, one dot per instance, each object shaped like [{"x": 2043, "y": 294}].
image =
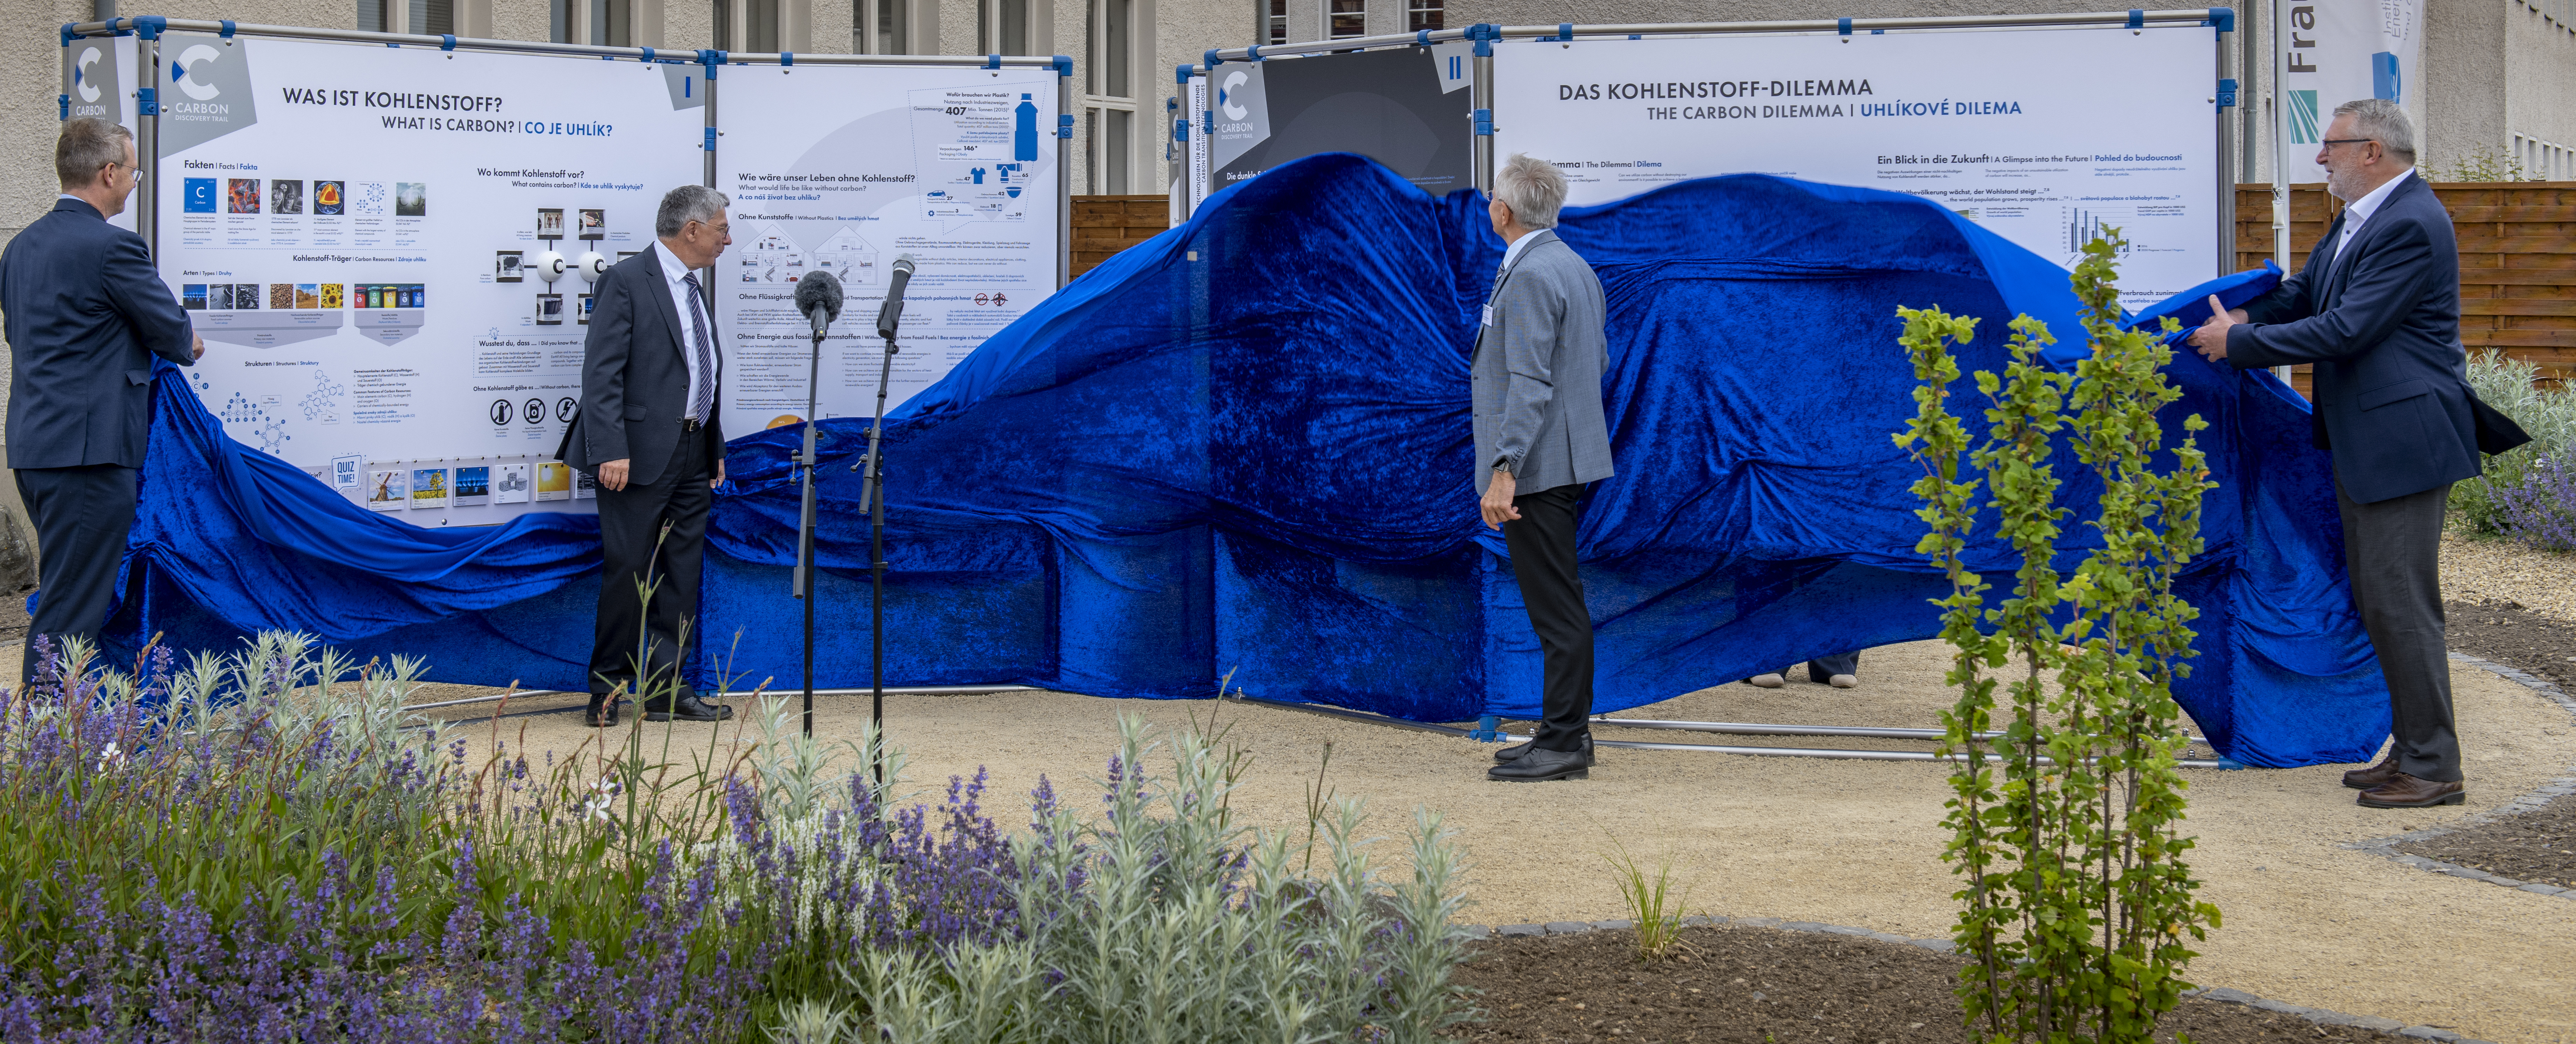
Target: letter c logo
[
  {"x": 1225, "y": 96},
  {"x": 80, "y": 75},
  {"x": 181, "y": 74}
]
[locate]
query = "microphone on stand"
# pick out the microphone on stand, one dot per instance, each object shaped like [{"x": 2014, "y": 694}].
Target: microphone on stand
[
  {"x": 818, "y": 295},
  {"x": 891, "y": 315}
]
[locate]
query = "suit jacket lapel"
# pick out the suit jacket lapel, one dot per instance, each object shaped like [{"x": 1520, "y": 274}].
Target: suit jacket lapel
[{"x": 670, "y": 311}]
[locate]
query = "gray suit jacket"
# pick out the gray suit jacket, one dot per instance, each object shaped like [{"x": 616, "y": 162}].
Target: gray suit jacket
[{"x": 1537, "y": 373}]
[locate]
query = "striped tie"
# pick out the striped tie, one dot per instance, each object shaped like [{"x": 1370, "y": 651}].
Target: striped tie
[{"x": 701, "y": 398}]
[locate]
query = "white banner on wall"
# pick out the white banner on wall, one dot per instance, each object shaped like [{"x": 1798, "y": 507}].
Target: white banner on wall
[
  {"x": 953, "y": 165},
  {"x": 361, "y": 235},
  {"x": 98, "y": 82},
  {"x": 2335, "y": 52},
  {"x": 2043, "y": 136}
]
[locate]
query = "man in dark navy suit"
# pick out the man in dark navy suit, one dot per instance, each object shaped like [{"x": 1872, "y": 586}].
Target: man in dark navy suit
[
  {"x": 648, "y": 431},
  {"x": 86, "y": 314},
  {"x": 2377, "y": 309}
]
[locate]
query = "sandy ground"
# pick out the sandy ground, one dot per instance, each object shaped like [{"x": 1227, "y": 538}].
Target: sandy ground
[
  {"x": 2480, "y": 568},
  {"x": 2308, "y": 920}
]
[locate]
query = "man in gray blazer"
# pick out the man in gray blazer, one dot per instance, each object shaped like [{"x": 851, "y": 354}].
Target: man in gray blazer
[{"x": 1540, "y": 437}]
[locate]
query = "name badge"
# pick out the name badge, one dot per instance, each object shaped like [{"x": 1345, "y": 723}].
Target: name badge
[{"x": 1489, "y": 314}]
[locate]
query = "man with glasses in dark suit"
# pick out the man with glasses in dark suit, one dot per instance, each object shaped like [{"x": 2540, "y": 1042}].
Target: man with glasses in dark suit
[
  {"x": 87, "y": 312},
  {"x": 648, "y": 430},
  {"x": 2377, "y": 309}
]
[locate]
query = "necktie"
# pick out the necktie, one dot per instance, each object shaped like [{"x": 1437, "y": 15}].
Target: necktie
[{"x": 702, "y": 397}]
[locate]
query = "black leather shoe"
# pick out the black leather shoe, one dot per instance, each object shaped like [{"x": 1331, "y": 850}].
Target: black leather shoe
[
  {"x": 689, "y": 708},
  {"x": 1513, "y": 752},
  {"x": 602, "y": 713},
  {"x": 1539, "y": 766}
]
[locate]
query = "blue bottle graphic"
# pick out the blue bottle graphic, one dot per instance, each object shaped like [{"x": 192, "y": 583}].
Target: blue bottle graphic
[{"x": 1024, "y": 139}]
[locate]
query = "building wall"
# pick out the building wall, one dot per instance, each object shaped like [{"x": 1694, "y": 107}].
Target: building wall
[{"x": 2540, "y": 83}]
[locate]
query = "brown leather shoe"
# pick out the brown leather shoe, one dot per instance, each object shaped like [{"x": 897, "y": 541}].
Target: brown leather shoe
[
  {"x": 2376, "y": 775},
  {"x": 2409, "y": 792}
]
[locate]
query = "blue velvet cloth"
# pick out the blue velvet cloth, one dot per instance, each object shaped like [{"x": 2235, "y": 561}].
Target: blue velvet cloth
[{"x": 1239, "y": 448}]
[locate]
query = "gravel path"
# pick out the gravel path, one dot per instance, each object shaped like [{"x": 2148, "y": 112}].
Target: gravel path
[{"x": 2493, "y": 569}]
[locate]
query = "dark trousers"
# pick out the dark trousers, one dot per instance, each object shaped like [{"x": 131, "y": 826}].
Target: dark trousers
[
  {"x": 1823, "y": 668},
  {"x": 82, "y": 515},
  {"x": 653, "y": 532},
  {"x": 1542, "y": 543},
  {"x": 2392, "y": 551}
]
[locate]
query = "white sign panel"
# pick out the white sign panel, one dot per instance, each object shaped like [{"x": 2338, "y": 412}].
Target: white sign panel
[
  {"x": 955, "y": 166},
  {"x": 2332, "y": 53},
  {"x": 98, "y": 83},
  {"x": 2043, "y": 136},
  {"x": 362, "y": 235}
]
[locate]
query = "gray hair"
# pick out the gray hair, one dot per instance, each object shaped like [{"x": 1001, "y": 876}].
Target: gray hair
[
  {"x": 685, "y": 204},
  {"x": 88, "y": 144},
  {"x": 2380, "y": 120},
  {"x": 1532, "y": 188}
]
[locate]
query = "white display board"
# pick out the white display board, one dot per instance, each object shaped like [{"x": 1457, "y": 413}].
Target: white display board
[
  {"x": 2329, "y": 54},
  {"x": 98, "y": 82},
  {"x": 356, "y": 231},
  {"x": 844, "y": 168},
  {"x": 2041, "y": 135}
]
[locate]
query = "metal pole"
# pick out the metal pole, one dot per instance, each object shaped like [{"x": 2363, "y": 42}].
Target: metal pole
[
  {"x": 804, "y": 579},
  {"x": 1484, "y": 106},
  {"x": 2280, "y": 171},
  {"x": 147, "y": 138},
  {"x": 2226, "y": 165},
  {"x": 1064, "y": 174}
]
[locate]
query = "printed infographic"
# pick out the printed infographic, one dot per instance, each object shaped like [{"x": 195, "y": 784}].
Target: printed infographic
[
  {"x": 2043, "y": 136},
  {"x": 954, "y": 166},
  {"x": 389, "y": 251}
]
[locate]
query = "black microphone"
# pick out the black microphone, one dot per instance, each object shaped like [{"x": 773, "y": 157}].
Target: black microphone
[
  {"x": 891, "y": 315},
  {"x": 818, "y": 295}
]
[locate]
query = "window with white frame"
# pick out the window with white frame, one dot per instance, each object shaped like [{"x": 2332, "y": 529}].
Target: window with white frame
[
  {"x": 749, "y": 26},
  {"x": 1278, "y": 21},
  {"x": 1109, "y": 98},
  {"x": 1425, "y": 14},
  {"x": 1002, "y": 26},
  {"x": 1349, "y": 19},
  {"x": 881, "y": 27}
]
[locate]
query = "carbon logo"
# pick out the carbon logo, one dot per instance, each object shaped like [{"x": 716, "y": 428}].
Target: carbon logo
[
  {"x": 1225, "y": 97},
  {"x": 187, "y": 84},
  {"x": 81, "y": 77}
]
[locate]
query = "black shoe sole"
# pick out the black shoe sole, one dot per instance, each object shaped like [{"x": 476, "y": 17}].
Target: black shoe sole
[
  {"x": 1581, "y": 773},
  {"x": 2446, "y": 799}
]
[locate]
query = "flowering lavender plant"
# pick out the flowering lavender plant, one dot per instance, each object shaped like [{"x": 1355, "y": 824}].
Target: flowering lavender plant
[{"x": 2541, "y": 511}]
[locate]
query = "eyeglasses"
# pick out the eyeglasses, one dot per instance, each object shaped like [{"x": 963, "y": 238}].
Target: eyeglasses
[
  {"x": 2332, "y": 142},
  {"x": 138, "y": 171}
]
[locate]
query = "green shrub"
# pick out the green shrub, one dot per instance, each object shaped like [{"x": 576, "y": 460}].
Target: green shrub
[{"x": 2548, "y": 414}]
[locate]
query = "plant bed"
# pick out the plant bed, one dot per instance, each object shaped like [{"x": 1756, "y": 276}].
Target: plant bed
[
  {"x": 2516, "y": 637},
  {"x": 1769, "y": 986}
]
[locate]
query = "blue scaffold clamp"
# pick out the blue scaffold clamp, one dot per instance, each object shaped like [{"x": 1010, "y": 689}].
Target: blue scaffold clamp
[
  {"x": 1180, "y": 124},
  {"x": 64, "y": 102},
  {"x": 147, "y": 101},
  {"x": 2223, "y": 19},
  {"x": 711, "y": 139},
  {"x": 1484, "y": 123},
  {"x": 1252, "y": 53},
  {"x": 1211, "y": 59},
  {"x": 992, "y": 61},
  {"x": 1210, "y": 117},
  {"x": 1565, "y": 32},
  {"x": 1064, "y": 125},
  {"x": 68, "y": 35},
  {"x": 150, "y": 27},
  {"x": 2137, "y": 18},
  {"x": 1422, "y": 38},
  {"x": 1489, "y": 729},
  {"x": 1843, "y": 27},
  {"x": 2227, "y": 94},
  {"x": 1181, "y": 73},
  {"x": 648, "y": 56},
  {"x": 447, "y": 41},
  {"x": 225, "y": 29},
  {"x": 1484, "y": 34},
  {"x": 1063, "y": 66},
  {"x": 786, "y": 58},
  {"x": 713, "y": 60}
]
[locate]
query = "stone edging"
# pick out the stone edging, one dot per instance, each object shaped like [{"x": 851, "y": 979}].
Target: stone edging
[
  {"x": 2386, "y": 847},
  {"x": 2317, "y": 1015}
]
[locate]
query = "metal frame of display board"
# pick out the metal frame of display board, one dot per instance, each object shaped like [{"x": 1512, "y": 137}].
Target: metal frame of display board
[
  {"x": 2223, "y": 96},
  {"x": 147, "y": 109}
]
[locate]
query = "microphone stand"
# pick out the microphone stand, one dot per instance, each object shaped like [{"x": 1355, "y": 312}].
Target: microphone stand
[
  {"x": 872, "y": 499},
  {"x": 804, "y": 576}
]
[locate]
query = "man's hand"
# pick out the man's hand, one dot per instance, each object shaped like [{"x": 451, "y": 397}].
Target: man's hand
[
  {"x": 196, "y": 347},
  {"x": 719, "y": 479},
  {"x": 1497, "y": 505},
  {"x": 2211, "y": 338},
  {"x": 612, "y": 474}
]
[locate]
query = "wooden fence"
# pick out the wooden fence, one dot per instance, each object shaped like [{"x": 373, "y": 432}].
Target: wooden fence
[
  {"x": 2517, "y": 261},
  {"x": 1105, "y": 225}
]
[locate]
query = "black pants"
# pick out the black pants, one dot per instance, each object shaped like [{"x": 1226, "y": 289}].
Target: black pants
[
  {"x": 1823, "y": 668},
  {"x": 82, "y": 516},
  {"x": 654, "y": 532},
  {"x": 1542, "y": 543},
  {"x": 2392, "y": 550}
]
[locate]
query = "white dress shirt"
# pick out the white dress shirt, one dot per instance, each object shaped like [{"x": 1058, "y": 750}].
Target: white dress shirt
[
  {"x": 2359, "y": 212},
  {"x": 691, "y": 320},
  {"x": 1518, "y": 245}
]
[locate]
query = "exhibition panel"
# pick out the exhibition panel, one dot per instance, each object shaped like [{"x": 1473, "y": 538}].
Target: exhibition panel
[
  {"x": 98, "y": 81},
  {"x": 2046, "y": 136},
  {"x": 954, "y": 166},
  {"x": 389, "y": 252}
]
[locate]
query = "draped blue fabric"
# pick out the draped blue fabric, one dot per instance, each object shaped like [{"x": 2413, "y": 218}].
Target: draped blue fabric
[{"x": 1241, "y": 449}]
